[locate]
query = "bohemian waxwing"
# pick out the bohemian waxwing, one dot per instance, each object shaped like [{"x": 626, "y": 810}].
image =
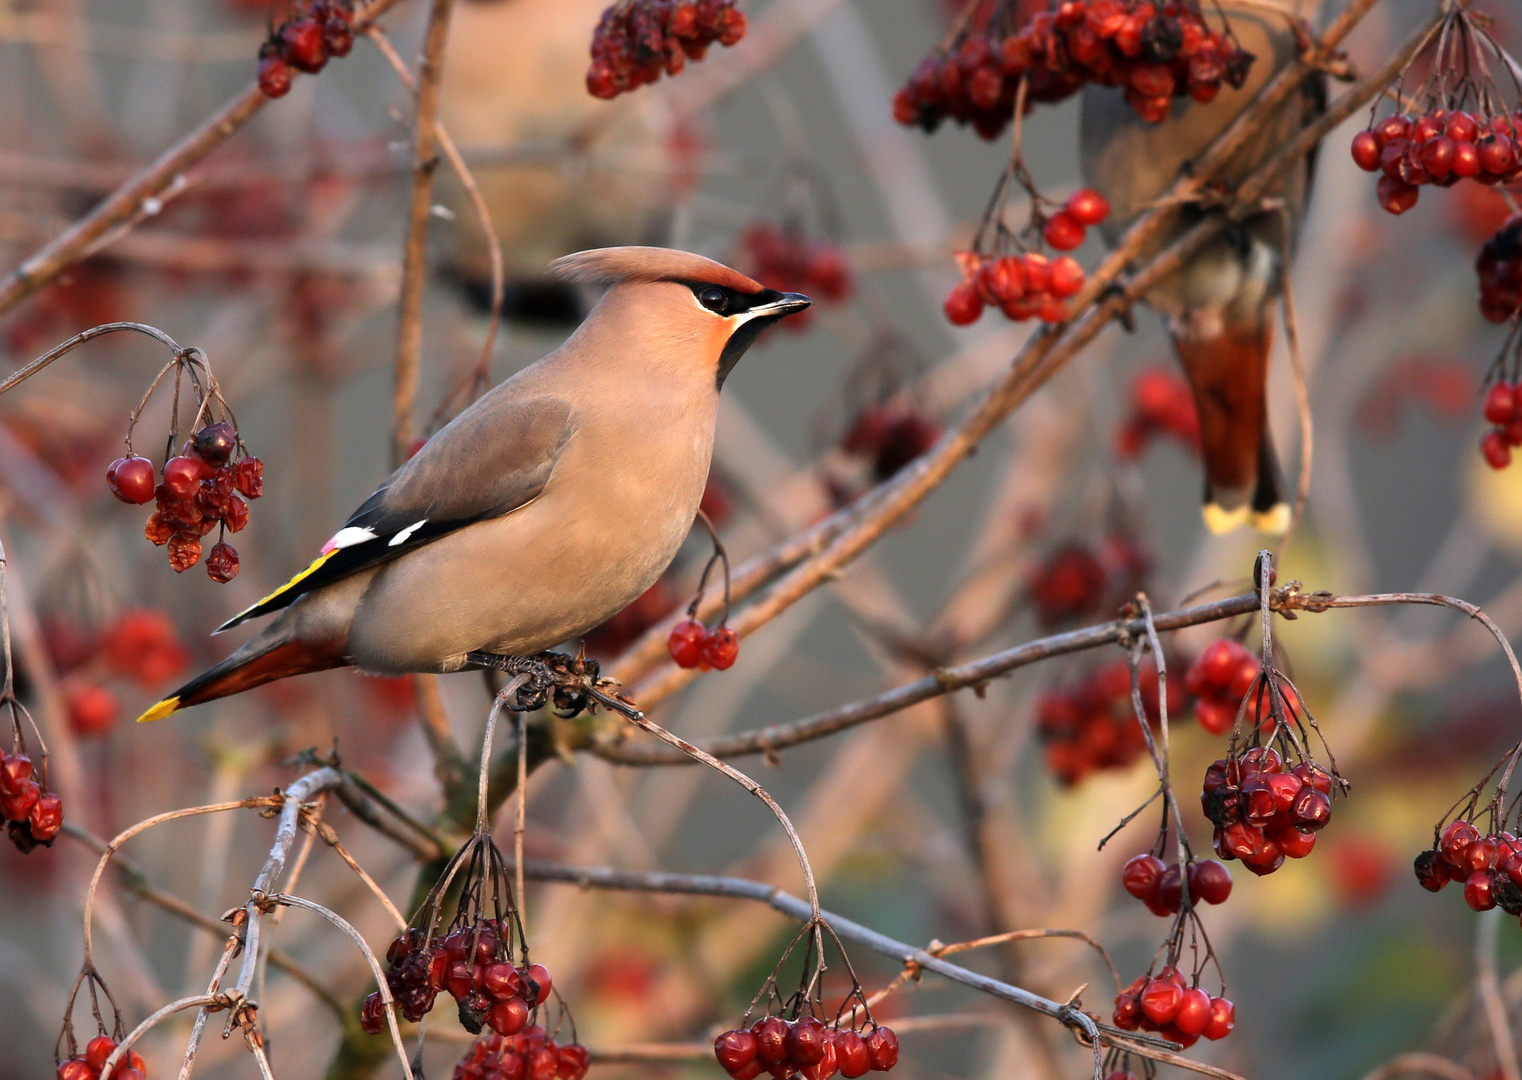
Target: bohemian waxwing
[
  {"x": 1219, "y": 307},
  {"x": 551, "y": 503}
]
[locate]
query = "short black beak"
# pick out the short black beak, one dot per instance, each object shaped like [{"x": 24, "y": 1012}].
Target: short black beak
[{"x": 785, "y": 304}]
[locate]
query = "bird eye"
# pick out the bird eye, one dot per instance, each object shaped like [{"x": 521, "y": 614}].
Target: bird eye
[{"x": 713, "y": 299}]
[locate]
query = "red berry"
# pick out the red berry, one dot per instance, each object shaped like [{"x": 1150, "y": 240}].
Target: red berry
[
  {"x": 75, "y": 1069},
  {"x": 1495, "y": 449},
  {"x": 1209, "y": 881},
  {"x": 771, "y": 1039},
  {"x": 301, "y": 45},
  {"x": 1293, "y": 842},
  {"x": 1141, "y": 876},
  {"x": 851, "y": 1054},
  {"x": 1087, "y": 206},
  {"x": 97, "y": 1050},
  {"x": 1455, "y": 841},
  {"x": 183, "y": 475},
  {"x": 1161, "y": 999},
  {"x": 46, "y": 818},
  {"x": 1431, "y": 871},
  {"x": 1366, "y": 151},
  {"x": 1395, "y": 195},
  {"x": 248, "y": 477},
  {"x": 1223, "y": 1017},
  {"x": 222, "y": 563},
  {"x": 1478, "y": 893},
  {"x": 274, "y": 76},
  {"x": 337, "y": 36},
  {"x": 1063, "y": 231},
  {"x": 91, "y": 708},
  {"x": 1437, "y": 156},
  {"x": 1497, "y": 154},
  {"x": 15, "y": 773},
  {"x": 1193, "y": 1015},
  {"x": 735, "y": 1050},
  {"x": 131, "y": 479},
  {"x": 686, "y": 643},
  {"x": 1067, "y": 276},
  {"x": 574, "y": 1061},
  {"x": 805, "y": 1042},
  {"x": 1500, "y": 402},
  {"x": 720, "y": 648},
  {"x": 882, "y": 1048},
  {"x": 827, "y": 1066},
  {"x": 508, "y": 1016},
  {"x": 963, "y": 305},
  {"x": 540, "y": 975}
]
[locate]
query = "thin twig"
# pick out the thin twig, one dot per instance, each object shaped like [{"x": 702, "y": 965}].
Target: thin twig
[
  {"x": 1488, "y": 987},
  {"x": 409, "y": 330}
]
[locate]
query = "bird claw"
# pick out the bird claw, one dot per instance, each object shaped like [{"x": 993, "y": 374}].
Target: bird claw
[{"x": 545, "y": 677}]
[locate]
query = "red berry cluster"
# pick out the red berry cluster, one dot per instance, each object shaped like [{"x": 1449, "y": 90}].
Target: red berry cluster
[
  {"x": 199, "y": 492},
  {"x": 323, "y": 30},
  {"x": 693, "y": 645},
  {"x": 529, "y": 1055},
  {"x": 783, "y": 260},
  {"x": 1220, "y": 678},
  {"x": 1028, "y": 285},
  {"x": 1490, "y": 867},
  {"x": 1262, "y": 812},
  {"x": 1092, "y": 726},
  {"x": 473, "y": 966},
  {"x": 1439, "y": 147},
  {"x": 140, "y": 646},
  {"x": 87, "y": 1065},
  {"x": 788, "y": 1048},
  {"x": 1173, "y": 1009},
  {"x": 1155, "y": 52},
  {"x": 889, "y": 435},
  {"x": 1075, "y": 579},
  {"x": 1503, "y": 408},
  {"x": 1500, "y": 270},
  {"x": 1161, "y": 404},
  {"x": 34, "y": 813},
  {"x": 636, "y": 40},
  {"x": 1161, "y": 888}
]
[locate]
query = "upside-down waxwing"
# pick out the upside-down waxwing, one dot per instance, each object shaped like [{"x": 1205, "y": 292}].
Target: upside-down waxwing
[
  {"x": 1218, "y": 307},
  {"x": 551, "y": 503},
  {"x": 515, "y": 82}
]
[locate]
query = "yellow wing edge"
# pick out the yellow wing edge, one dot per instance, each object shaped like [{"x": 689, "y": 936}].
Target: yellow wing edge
[
  {"x": 311, "y": 569},
  {"x": 161, "y": 710}
]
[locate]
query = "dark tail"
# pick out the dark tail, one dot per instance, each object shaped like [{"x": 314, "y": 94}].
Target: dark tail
[
  {"x": 1229, "y": 375},
  {"x": 274, "y": 654}
]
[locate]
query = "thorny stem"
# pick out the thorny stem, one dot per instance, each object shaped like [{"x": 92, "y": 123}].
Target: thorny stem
[
  {"x": 640, "y": 720},
  {"x": 425, "y": 138}
]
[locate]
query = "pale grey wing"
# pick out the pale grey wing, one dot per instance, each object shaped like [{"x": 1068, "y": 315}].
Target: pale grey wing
[{"x": 493, "y": 458}]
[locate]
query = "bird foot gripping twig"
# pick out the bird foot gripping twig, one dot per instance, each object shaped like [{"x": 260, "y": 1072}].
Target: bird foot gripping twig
[{"x": 546, "y": 677}]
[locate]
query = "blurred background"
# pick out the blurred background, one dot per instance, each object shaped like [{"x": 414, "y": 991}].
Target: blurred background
[{"x": 280, "y": 258}]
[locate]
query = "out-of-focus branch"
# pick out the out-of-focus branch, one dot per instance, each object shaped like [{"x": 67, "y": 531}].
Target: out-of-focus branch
[
  {"x": 144, "y": 194},
  {"x": 425, "y": 140},
  {"x": 796, "y": 908}
]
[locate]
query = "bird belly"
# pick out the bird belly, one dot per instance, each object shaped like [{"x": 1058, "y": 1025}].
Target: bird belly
[{"x": 533, "y": 579}]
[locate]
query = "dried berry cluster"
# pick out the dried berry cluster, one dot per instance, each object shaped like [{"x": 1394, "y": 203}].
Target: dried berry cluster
[
  {"x": 200, "y": 491},
  {"x": 889, "y": 435},
  {"x": 1220, "y": 678},
  {"x": 1075, "y": 580},
  {"x": 1489, "y": 867},
  {"x": 473, "y": 964},
  {"x": 34, "y": 814},
  {"x": 529, "y": 1055},
  {"x": 636, "y": 40},
  {"x": 140, "y": 646},
  {"x": 788, "y": 1048},
  {"x": 306, "y": 42},
  {"x": 1028, "y": 285},
  {"x": 1161, "y": 404},
  {"x": 1092, "y": 726},
  {"x": 784, "y": 259},
  {"x": 693, "y": 645},
  {"x": 1439, "y": 147},
  {"x": 1154, "y": 52},
  {"x": 1500, "y": 270},
  {"x": 1161, "y": 887},
  {"x": 1174, "y": 1009},
  {"x": 1264, "y": 813},
  {"x": 87, "y": 1065}
]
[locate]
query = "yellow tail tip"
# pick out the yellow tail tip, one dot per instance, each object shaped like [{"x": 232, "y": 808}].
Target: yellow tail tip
[
  {"x": 1275, "y": 522},
  {"x": 1219, "y": 520},
  {"x": 161, "y": 710}
]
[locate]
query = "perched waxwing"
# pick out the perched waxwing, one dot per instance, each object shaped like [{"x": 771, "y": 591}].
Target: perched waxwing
[
  {"x": 551, "y": 503},
  {"x": 1220, "y": 306},
  {"x": 557, "y": 168}
]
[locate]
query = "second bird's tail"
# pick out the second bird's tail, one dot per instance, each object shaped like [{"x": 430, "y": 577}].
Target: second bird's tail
[{"x": 1228, "y": 372}]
